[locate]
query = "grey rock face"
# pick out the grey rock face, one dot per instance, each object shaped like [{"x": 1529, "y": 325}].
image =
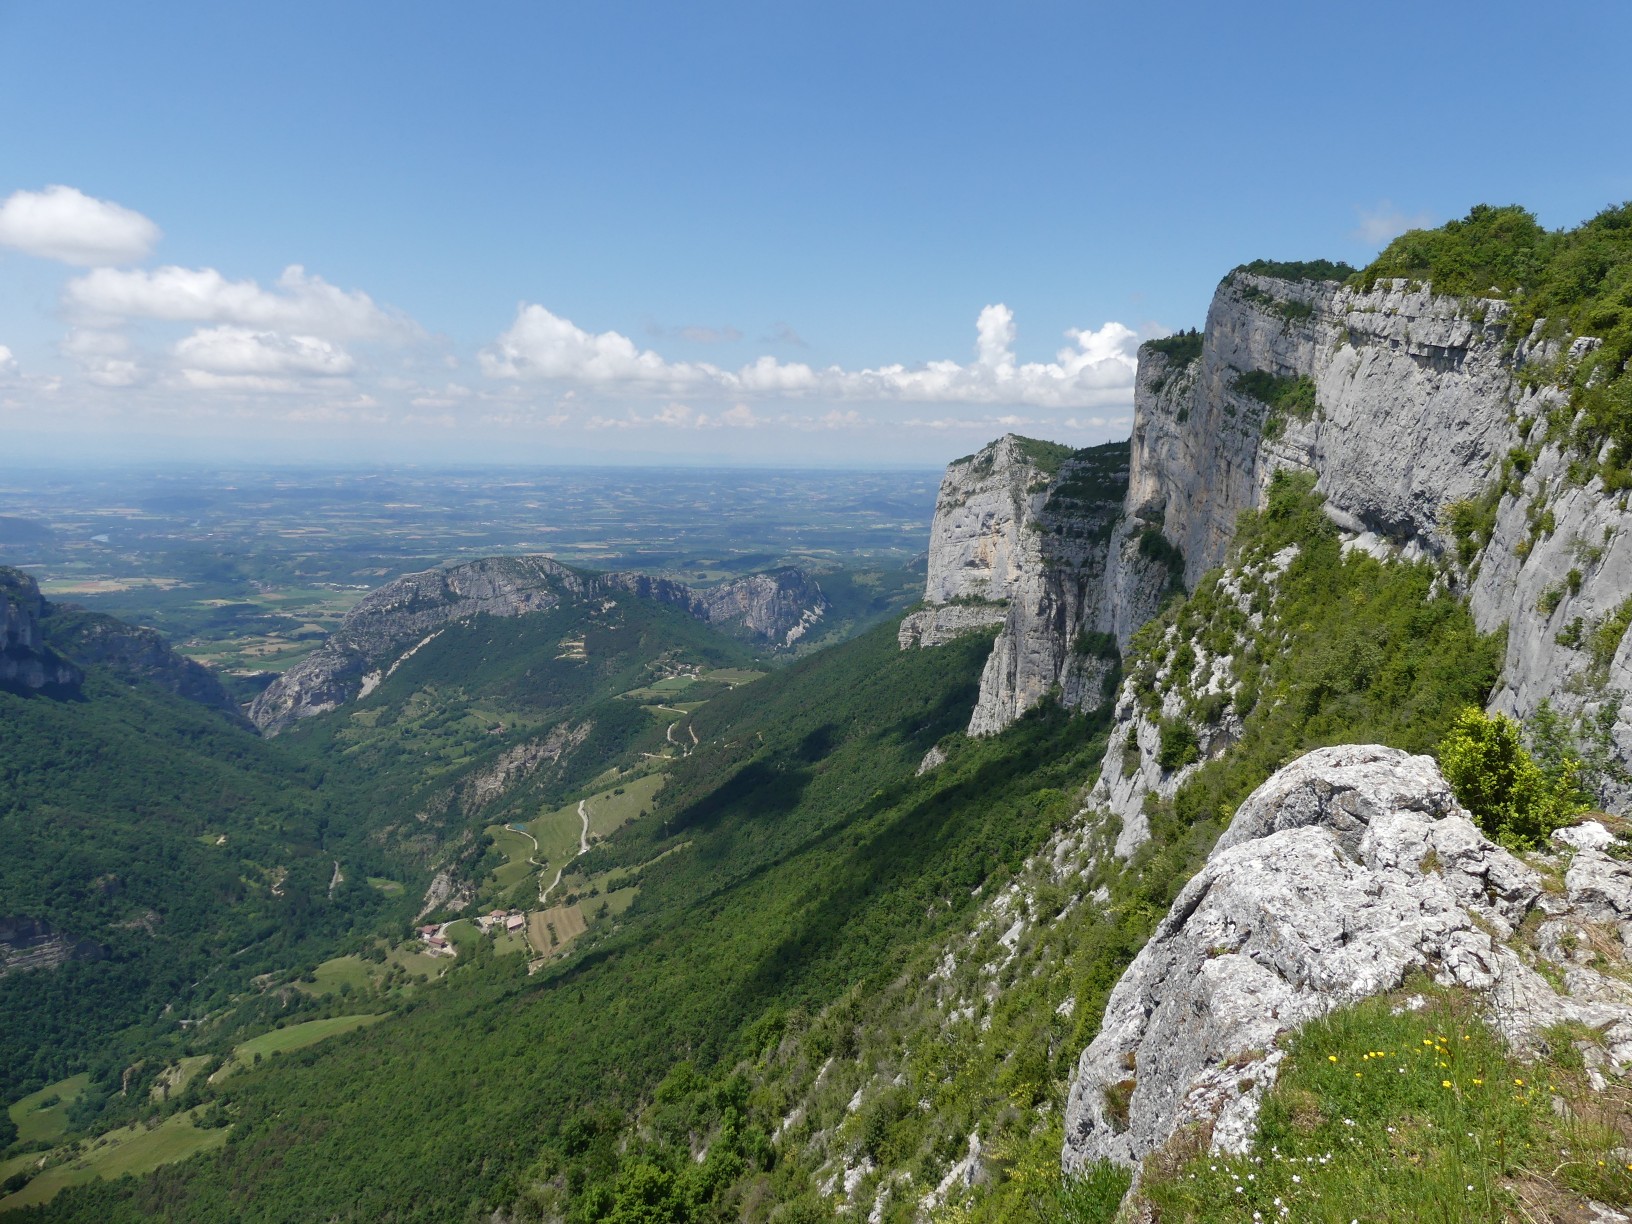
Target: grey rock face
[
  {"x": 1419, "y": 402},
  {"x": 936, "y": 626},
  {"x": 977, "y": 541},
  {"x": 1347, "y": 870},
  {"x": 29, "y": 943},
  {"x": 1022, "y": 538},
  {"x": 781, "y": 606},
  {"x": 26, "y": 662},
  {"x": 392, "y": 622}
]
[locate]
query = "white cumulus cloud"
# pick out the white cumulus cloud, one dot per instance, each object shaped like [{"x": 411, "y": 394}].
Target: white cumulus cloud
[
  {"x": 299, "y": 303},
  {"x": 541, "y": 345},
  {"x": 66, "y": 224},
  {"x": 1095, "y": 368},
  {"x": 241, "y": 351},
  {"x": 7, "y": 361}
]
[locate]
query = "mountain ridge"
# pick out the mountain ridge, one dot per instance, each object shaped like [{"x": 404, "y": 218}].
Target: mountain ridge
[{"x": 393, "y": 621}]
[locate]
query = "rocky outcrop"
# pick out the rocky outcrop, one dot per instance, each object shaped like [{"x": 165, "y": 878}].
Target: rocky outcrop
[
  {"x": 26, "y": 662},
  {"x": 29, "y": 943},
  {"x": 1029, "y": 535},
  {"x": 781, "y": 606},
  {"x": 1345, "y": 872},
  {"x": 138, "y": 653},
  {"x": 1419, "y": 402},
  {"x": 396, "y": 620},
  {"x": 937, "y": 625}
]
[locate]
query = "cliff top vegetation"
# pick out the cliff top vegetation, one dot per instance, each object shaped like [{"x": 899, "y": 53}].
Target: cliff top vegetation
[{"x": 1578, "y": 280}]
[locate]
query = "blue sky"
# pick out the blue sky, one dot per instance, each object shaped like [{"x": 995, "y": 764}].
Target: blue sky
[{"x": 838, "y": 233}]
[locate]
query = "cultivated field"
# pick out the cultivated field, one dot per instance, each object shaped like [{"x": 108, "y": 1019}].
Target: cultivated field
[
  {"x": 131, "y": 1149},
  {"x": 44, "y": 1114}
]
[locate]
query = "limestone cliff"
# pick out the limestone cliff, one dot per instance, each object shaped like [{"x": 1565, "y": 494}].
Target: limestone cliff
[
  {"x": 29, "y": 943},
  {"x": 1027, "y": 536},
  {"x": 1414, "y": 408},
  {"x": 394, "y": 621},
  {"x": 26, "y": 662},
  {"x": 1346, "y": 871}
]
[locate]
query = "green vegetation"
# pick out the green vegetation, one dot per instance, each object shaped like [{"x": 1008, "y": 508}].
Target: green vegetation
[
  {"x": 789, "y": 858},
  {"x": 1511, "y": 797},
  {"x": 297, "y": 1035},
  {"x": 1578, "y": 280},
  {"x": 1178, "y": 746},
  {"x": 179, "y": 855},
  {"x": 1298, "y": 270},
  {"x": 44, "y": 1114},
  {"x": 133, "y": 1149},
  {"x": 1471, "y": 522},
  {"x": 1048, "y": 457},
  {"x": 1181, "y": 348},
  {"x": 1285, "y": 395},
  {"x": 1388, "y": 1113},
  {"x": 1350, "y": 650}
]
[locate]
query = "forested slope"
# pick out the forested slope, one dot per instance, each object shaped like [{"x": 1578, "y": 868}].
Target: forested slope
[{"x": 806, "y": 857}]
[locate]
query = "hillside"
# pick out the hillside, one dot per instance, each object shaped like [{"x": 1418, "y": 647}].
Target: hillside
[
  {"x": 1181, "y": 833},
  {"x": 159, "y": 855},
  {"x": 804, "y": 851}
]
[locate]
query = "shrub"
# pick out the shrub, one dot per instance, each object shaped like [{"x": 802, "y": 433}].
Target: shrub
[
  {"x": 1181, "y": 348},
  {"x": 1179, "y": 746},
  {"x": 1286, "y": 396},
  {"x": 1513, "y": 800}
]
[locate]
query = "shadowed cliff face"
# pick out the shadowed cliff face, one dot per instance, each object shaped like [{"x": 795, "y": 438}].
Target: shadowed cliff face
[
  {"x": 1032, "y": 537},
  {"x": 26, "y": 662},
  {"x": 28, "y": 943},
  {"x": 401, "y": 616}
]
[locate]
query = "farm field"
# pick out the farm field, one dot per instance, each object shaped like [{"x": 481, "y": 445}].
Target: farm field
[
  {"x": 296, "y": 1036},
  {"x": 131, "y": 1149},
  {"x": 363, "y": 974},
  {"x": 558, "y": 831},
  {"x": 37, "y": 1120}
]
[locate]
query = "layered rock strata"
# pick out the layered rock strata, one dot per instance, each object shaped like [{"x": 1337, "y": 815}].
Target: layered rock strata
[
  {"x": 1030, "y": 536},
  {"x": 1421, "y": 405}
]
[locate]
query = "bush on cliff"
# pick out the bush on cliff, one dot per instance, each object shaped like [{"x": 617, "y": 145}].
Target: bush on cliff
[{"x": 1511, "y": 797}]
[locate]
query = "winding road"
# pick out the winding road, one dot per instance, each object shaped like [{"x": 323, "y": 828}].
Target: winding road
[{"x": 583, "y": 848}]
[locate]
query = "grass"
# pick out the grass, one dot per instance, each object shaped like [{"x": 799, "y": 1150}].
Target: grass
[
  {"x": 363, "y": 974},
  {"x": 517, "y": 849},
  {"x": 733, "y": 675},
  {"x": 297, "y": 1036},
  {"x": 609, "y": 810},
  {"x": 1421, "y": 1115},
  {"x": 132, "y": 1149},
  {"x": 389, "y": 887},
  {"x": 557, "y": 834},
  {"x": 36, "y": 1119}
]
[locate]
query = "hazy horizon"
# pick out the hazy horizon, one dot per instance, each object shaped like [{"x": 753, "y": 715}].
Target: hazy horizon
[{"x": 722, "y": 234}]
